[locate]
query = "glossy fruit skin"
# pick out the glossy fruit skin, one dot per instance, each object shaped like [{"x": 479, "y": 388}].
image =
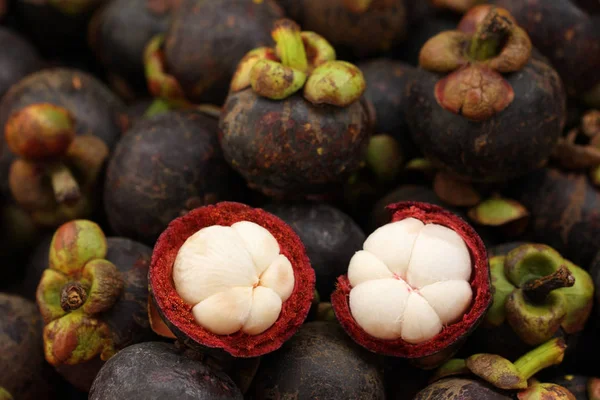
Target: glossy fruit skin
[
  {"x": 345, "y": 30},
  {"x": 564, "y": 33},
  {"x": 25, "y": 373},
  {"x": 128, "y": 318},
  {"x": 330, "y": 236},
  {"x": 564, "y": 212},
  {"x": 18, "y": 58},
  {"x": 461, "y": 389},
  {"x": 163, "y": 167},
  {"x": 320, "y": 361},
  {"x": 386, "y": 90},
  {"x": 95, "y": 108},
  {"x": 118, "y": 35},
  {"x": 156, "y": 371},
  {"x": 292, "y": 148},
  {"x": 206, "y": 40},
  {"x": 495, "y": 149}
]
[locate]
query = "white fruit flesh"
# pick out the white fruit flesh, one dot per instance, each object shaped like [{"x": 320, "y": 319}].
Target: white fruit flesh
[
  {"x": 410, "y": 281},
  {"x": 234, "y": 277}
]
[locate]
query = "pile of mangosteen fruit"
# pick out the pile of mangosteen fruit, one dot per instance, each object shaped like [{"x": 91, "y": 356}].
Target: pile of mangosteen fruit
[{"x": 299, "y": 199}]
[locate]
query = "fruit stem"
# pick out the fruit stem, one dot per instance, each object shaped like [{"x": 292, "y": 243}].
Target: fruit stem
[
  {"x": 537, "y": 290},
  {"x": 72, "y": 296},
  {"x": 490, "y": 36},
  {"x": 158, "y": 106},
  {"x": 66, "y": 188},
  {"x": 357, "y": 6},
  {"x": 290, "y": 47},
  {"x": 543, "y": 356}
]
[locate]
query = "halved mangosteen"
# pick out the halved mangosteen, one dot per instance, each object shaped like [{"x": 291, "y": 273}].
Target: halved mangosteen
[
  {"x": 419, "y": 287},
  {"x": 231, "y": 277}
]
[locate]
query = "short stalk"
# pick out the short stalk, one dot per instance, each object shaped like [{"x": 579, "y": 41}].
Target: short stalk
[
  {"x": 544, "y": 356},
  {"x": 66, "y": 189},
  {"x": 290, "y": 46},
  {"x": 490, "y": 36},
  {"x": 537, "y": 290}
]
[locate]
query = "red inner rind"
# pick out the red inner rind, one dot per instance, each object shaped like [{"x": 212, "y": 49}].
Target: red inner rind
[
  {"x": 294, "y": 310},
  {"x": 480, "y": 282}
]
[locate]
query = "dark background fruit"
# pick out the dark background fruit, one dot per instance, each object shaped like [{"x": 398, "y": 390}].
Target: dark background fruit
[
  {"x": 157, "y": 371},
  {"x": 163, "y": 167},
  {"x": 18, "y": 58},
  {"x": 331, "y": 238}
]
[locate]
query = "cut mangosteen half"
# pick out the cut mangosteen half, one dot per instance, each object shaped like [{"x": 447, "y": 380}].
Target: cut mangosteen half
[
  {"x": 231, "y": 277},
  {"x": 420, "y": 284}
]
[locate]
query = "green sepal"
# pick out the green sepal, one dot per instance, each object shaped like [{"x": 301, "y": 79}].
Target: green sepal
[{"x": 48, "y": 295}]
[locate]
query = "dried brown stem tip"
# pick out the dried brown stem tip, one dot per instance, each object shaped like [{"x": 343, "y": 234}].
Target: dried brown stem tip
[
  {"x": 537, "y": 290},
  {"x": 72, "y": 296}
]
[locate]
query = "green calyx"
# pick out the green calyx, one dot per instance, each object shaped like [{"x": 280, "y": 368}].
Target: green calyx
[
  {"x": 538, "y": 292},
  {"x": 299, "y": 60},
  {"x": 79, "y": 285},
  {"x": 4, "y": 395},
  {"x": 503, "y": 373},
  {"x": 544, "y": 391},
  {"x": 160, "y": 83},
  {"x": 497, "y": 211}
]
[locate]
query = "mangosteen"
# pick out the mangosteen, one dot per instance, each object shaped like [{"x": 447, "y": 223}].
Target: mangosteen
[
  {"x": 57, "y": 27},
  {"x": 480, "y": 93},
  {"x": 563, "y": 211},
  {"x": 486, "y": 376},
  {"x": 330, "y": 237},
  {"x": 402, "y": 380},
  {"x": 18, "y": 58},
  {"x": 156, "y": 371},
  {"x": 230, "y": 256},
  {"x": 287, "y": 144},
  {"x": 82, "y": 100},
  {"x": 386, "y": 91},
  {"x": 163, "y": 167},
  {"x": 118, "y": 35},
  {"x": 197, "y": 56},
  {"x": 539, "y": 295},
  {"x": 320, "y": 362},
  {"x": 92, "y": 298},
  {"x": 568, "y": 35},
  {"x": 427, "y": 274},
  {"x": 344, "y": 22},
  {"x": 25, "y": 374}
]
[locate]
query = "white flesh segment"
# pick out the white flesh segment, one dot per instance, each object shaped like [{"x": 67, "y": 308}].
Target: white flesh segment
[
  {"x": 364, "y": 266},
  {"x": 212, "y": 260},
  {"x": 266, "y": 307},
  {"x": 378, "y": 307},
  {"x": 279, "y": 277},
  {"x": 226, "y": 312},
  {"x": 420, "y": 323},
  {"x": 449, "y": 299},
  {"x": 261, "y": 245},
  {"x": 439, "y": 254},
  {"x": 393, "y": 244}
]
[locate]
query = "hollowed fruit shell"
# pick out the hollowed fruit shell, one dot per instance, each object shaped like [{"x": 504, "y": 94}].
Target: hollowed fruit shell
[
  {"x": 436, "y": 350},
  {"x": 178, "y": 315}
]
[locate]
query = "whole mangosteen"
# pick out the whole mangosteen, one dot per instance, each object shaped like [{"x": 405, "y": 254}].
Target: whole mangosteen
[
  {"x": 59, "y": 125},
  {"x": 289, "y": 144},
  {"x": 163, "y": 167},
  {"x": 18, "y": 58},
  {"x": 231, "y": 257},
  {"x": 427, "y": 275},
  {"x": 25, "y": 374},
  {"x": 482, "y": 106},
  {"x": 156, "y": 371},
  {"x": 563, "y": 211},
  {"x": 344, "y": 22},
  {"x": 92, "y": 298},
  {"x": 119, "y": 33},
  {"x": 197, "y": 56},
  {"x": 320, "y": 362},
  {"x": 565, "y": 31},
  {"x": 330, "y": 236}
]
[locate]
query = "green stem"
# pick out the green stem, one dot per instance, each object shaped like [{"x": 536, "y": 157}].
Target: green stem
[
  {"x": 490, "y": 36},
  {"x": 158, "y": 106},
  {"x": 66, "y": 188},
  {"x": 290, "y": 46},
  {"x": 543, "y": 356}
]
